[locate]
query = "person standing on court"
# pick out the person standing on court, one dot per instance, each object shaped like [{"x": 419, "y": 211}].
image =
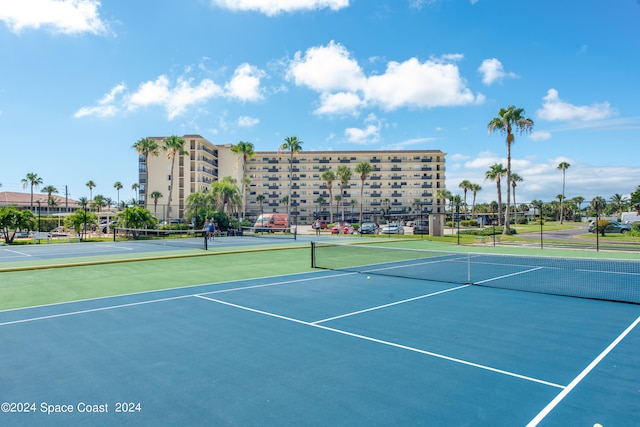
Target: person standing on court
[
  {"x": 317, "y": 227},
  {"x": 211, "y": 229}
]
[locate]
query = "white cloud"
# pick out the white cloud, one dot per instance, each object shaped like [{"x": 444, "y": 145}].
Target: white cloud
[
  {"x": 343, "y": 86},
  {"x": 64, "y": 16},
  {"x": 245, "y": 83},
  {"x": 326, "y": 69},
  {"x": 492, "y": 71},
  {"x": 541, "y": 135},
  {"x": 367, "y": 135},
  {"x": 105, "y": 107},
  {"x": 554, "y": 109},
  {"x": 339, "y": 103},
  {"x": 275, "y": 7},
  {"x": 179, "y": 97},
  {"x": 247, "y": 122},
  {"x": 418, "y": 84}
]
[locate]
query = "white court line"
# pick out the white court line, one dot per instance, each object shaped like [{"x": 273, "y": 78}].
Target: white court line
[
  {"x": 547, "y": 409},
  {"x": 390, "y": 304},
  {"x": 508, "y": 275},
  {"x": 240, "y": 288},
  {"x": 91, "y": 310},
  {"x": 608, "y": 272},
  {"x": 388, "y": 343},
  {"x": 17, "y": 252}
]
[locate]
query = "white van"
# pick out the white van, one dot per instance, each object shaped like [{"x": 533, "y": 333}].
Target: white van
[{"x": 629, "y": 217}]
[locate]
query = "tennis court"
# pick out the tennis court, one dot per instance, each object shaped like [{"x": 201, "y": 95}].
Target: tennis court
[{"x": 337, "y": 346}]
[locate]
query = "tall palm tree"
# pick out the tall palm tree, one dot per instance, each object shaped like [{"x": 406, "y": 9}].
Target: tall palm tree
[
  {"x": 260, "y": 198},
  {"x": 364, "y": 169},
  {"x": 495, "y": 173},
  {"x": 344, "y": 175},
  {"x": 91, "y": 186},
  {"x": 32, "y": 180},
  {"x": 50, "y": 189},
  {"x": 146, "y": 147},
  {"x": 320, "y": 201},
  {"x": 246, "y": 150},
  {"x": 155, "y": 195},
  {"x": 135, "y": 186},
  {"x": 329, "y": 176},
  {"x": 445, "y": 195},
  {"x": 293, "y": 145},
  {"x": 118, "y": 186},
  {"x": 475, "y": 188},
  {"x": 510, "y": 119},
  {"x": 466, "y": 186},
  {"x": 578, "y": 200},
  {"x": 515, "y": 179},
  {"x": 173, "y": 147},
  {"x": 563, "y": 166}
]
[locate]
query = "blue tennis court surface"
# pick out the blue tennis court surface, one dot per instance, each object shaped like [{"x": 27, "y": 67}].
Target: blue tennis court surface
[{"x": 324, "y": 348}]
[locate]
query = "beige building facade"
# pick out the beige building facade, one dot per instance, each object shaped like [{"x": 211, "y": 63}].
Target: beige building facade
[{"x": 402, "y": 185}]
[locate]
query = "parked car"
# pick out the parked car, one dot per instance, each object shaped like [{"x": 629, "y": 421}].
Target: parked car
[
  {"x": 612, "y": 227},
  {"x": 335, "y": 229},
  {"x": 393, "y": 228},
  {"x": 421, "y": 227},
  {"x": 369, "y": 228},
  {"x": 348, "y": 229}
]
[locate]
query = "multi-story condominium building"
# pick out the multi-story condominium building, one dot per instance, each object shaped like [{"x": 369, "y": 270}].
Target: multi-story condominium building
[{"x": 402, "y": 184}]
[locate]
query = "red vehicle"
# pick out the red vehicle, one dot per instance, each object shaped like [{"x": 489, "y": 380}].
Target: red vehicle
[{"x": 344, "y": 229}]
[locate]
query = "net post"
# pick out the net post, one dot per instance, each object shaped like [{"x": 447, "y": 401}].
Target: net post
[
  {"x": 206, "y": 244},
  {"x": 313, "y": 254}
]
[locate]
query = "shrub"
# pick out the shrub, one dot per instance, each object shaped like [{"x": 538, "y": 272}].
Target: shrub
[{"x": 522, "y": 221}]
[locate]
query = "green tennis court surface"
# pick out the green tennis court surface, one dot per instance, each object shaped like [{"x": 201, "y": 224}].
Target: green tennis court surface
[{"x": 328, "y": 347}]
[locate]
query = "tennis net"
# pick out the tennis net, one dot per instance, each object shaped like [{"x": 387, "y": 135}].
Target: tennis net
[
  {"x": 605, "y": 279},
  {"x": 270, "y": 233},
  {"x": 188, "y": 239}
]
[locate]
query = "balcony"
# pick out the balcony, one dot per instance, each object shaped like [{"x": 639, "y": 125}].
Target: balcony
[
  {"x": 426, "y": 177},
  {"x": 374, "y": 160},
  {"x": 272, "y": 161},
  {"x": 345, "y": 161},
  {"x": 396, "y": 160},
  {"x": 376, "y": 194},
  {"x": 274, "y": 178},
  {"x": 396, "y": 169},
  {"x": 273, "y": 170},
  {"x": 396, "y": 177},
  {"x": 324, "y": 161},
  {"x": 427, "y": 159},
  {"x": 426, "y": 168},
  {"x": 375, "y": 186}
]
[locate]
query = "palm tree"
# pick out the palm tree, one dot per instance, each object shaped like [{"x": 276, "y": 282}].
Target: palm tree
[
  {"x": 563, "y": 166},
  {"x": 244, "y": 149},
  {"x": 466, "y": 186},
  {"x": 293, "y": 145},
  {"x": 445, "y": 195},
  {"x": 510, "y": 119},
  {"x": 50, "y": 189},
  {"x": 118, "y": 186},
  {"x": 515, "y": 178},
  {"x": 285, "y": 202},
  {"x": 174, "y": 147},
  {"x": 146, "y": 147},
  {"x": 475, "y": 188},
  {"x": 135, "y": 186},
  {"x": 494, "y": 173},
  {"x": 619, "y": 202},
  {"x": 329, "y": 176},
  {"x": 98, "y": 202},
  {"x": 598, "y": 204},
  {"x": 338, "y": 199},
  {"x": 364, "y": 169},
  {"x": 32, "y": 180},
  {"x": 260, "y": 199},
  {"x": 344, "y": 175},
  {"x": 578, "y": 200},
  {"x": 91, "y": 186},
  {"x": 320, "y": 201},
  {"x": 155, "y": 196}
]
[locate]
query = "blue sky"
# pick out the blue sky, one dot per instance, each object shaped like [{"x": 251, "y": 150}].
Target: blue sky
[{"x": 82, "y": 80}]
